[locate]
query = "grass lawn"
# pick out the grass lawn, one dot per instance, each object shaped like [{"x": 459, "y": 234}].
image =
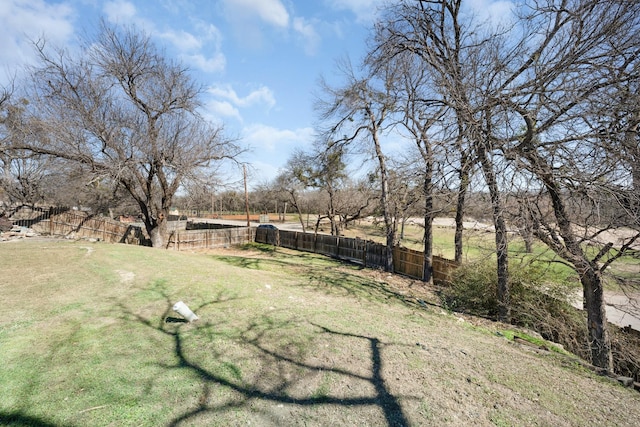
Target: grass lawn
[{"x": 88, "y": 338}]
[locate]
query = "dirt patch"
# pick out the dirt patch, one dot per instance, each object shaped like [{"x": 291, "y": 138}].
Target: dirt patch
[{"x": 126, "y": 276}]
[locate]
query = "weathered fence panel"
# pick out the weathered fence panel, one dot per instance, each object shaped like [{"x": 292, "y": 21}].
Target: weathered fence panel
[
  {"x": 443, "y": 269},
  {"x": 70, "y": 223},
  {"x": 407, "y": 262},
  {"x": 182, "y": 240},
  {"x": 288, "y": 239},
  {"x": 376, "y": 255},
  {"x": 182, "y": 235},
  {"x": 268, "y": 236},
  {"x": 307, "y": 242},
  {"x": 351, "y": 249},
  {"x": 327, "y": 245}
]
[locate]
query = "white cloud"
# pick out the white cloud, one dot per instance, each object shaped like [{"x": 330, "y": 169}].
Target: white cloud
[
  {"x": 248, "y": 19},
  {"x": 23, "y": 21},
  {"x": 210, "y": 65},
  {"x": 189, "y": 45},
  {"x": 182, "y": 40},
  {"x": 226, "y": 103},
  {"x": 209, "y": 37},
  {"x": 262, "y": 95},
  {"x": 310, "y": 38},
  {"x": 272, "y": 12},
  {"x": 269, "y": 138},
  {"x": 119, "y": 11},
  {"x": 216, "y": 110},
  {"x": 364, "y": 10}
]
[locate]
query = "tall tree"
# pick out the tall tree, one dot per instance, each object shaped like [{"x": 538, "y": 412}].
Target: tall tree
[
  {"x": 24, "y": 174},
  {"x": 129, "y": 115},
  {"x": 555, "y": 93},
  {"x": 357, "y": 114},
  {"x": 457, "y": 53},
  {"x": 419, "y": 112}
]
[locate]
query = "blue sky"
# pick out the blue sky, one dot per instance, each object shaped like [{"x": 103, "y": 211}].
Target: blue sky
[{"x": 259, "y": 60}]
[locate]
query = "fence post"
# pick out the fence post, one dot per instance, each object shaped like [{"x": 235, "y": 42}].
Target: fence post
[
  {"x": 51, "y": 211},
  {"x": 364, "y": 254}
]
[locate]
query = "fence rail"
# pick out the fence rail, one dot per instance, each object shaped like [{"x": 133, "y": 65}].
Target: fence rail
[{"x": 407, "y": 262}]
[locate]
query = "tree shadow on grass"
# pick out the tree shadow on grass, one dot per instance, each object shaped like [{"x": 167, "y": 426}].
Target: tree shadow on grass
[
  {"x": 267, "y": 360},
  {"x": 19, "y": 419},
  {"x": 332, "y": 280},
  {"x": 269, "y": 261},
  {"x": 335, "y": 282}
]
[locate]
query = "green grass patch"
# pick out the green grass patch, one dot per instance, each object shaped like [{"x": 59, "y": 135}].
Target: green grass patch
[
  {"x": 88, "y": 337},
  {"x": 536, "y": 341}
]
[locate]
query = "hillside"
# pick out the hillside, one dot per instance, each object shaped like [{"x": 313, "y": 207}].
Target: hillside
[{"x": 88, "y": 337}]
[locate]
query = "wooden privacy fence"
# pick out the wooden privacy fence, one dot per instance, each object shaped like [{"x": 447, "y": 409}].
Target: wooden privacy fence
[
  {"x": 407, "y": 262},
  {"x": 77, "y": 224},
  {"x": 182, "y": 240},
  {"x": 70, "y": 223}
]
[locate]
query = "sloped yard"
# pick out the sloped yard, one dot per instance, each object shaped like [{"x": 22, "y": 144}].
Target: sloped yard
[{"x": 88, "y": 337}]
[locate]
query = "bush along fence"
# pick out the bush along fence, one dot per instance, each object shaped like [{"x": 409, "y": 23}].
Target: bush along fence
[{"x": 407, "y": 262}]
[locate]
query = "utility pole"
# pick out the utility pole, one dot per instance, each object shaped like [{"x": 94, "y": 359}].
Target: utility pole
[{"x": 246, "y": 194}]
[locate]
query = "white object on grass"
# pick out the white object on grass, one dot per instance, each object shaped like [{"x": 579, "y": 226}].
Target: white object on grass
[{"x": 182, "y": 309}]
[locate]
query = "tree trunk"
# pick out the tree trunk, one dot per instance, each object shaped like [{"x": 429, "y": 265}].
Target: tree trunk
[
  {"x": 460, "y": 206},
  {"x": 157, "y": 230},
  {"x": 389, "y": 223},
  {"x": 301, "y": 218},
  {"x": 594, "y": 304},
  {"x": 155, "y": 234},
  {"x": 502, "y": 246},
  {"x": 335, "y": 231},
  {"x": 590, "y": 276},
  {"x": 156, "y": 226},
  {"x": 528, "y": 241},
  {"x": 427, "y": 269}
]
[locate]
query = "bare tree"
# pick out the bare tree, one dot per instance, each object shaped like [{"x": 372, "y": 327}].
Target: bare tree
[
  {"x": 325, "y": 170},
  {"x": 293, "y": 181},
  {"x": 24, "y": 174},
  {"x": 554, "y": 86},
  {"x": 357, "y": 114},
  {"x": 129, "y": 115},
  {"x": 457, "y": 56},
  {"x": 420, "y": 112}
]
